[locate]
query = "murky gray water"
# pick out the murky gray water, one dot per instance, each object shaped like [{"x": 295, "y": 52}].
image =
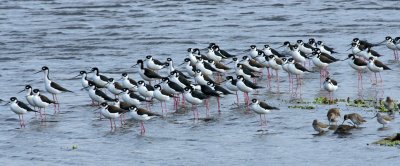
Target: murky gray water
[{"x": 69, "y": 36}]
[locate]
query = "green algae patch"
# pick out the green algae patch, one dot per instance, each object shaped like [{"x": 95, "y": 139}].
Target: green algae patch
[
  {"x": 325, "y": 100},
  {"x": 306, "y": 107},
  {"x": 390, "y": 141}
]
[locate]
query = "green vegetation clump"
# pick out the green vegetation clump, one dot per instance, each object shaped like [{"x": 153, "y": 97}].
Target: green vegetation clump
[
  {"x": 308, "y": 107},
  {"x": 325, "y": 100},
  {"x": 390, "y": 141}
]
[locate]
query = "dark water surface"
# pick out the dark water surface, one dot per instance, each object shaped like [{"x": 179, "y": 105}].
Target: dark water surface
[{"x": 69, "y": 36}]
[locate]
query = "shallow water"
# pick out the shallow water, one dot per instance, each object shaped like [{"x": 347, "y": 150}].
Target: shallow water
[{"x": 69, "y": 36}]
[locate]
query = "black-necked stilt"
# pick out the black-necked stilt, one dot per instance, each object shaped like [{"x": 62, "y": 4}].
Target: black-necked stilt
[
  {"x": 192, "y": 58},
  {"x": 253, "y": 51},
  {"x": 322, "y": 62},
  {"x": 318, "y": 51},
  {"x": 84, "y": 79},
  {"x": 174, "y": 88},
  {"x": 202, "y": 79},
  {"x": 298, "y": 56},
  {"x": 319, "y": 126},
  {"x": 145, "y": 90},
  {"x": 397, "y": 43},
  {"x": 221, "y": 91},
  {"x": 224, "y": 53},
  {"x": 162, "y": 96},
  {"x": 97, "y": 95},
  {"x": 376, "y": 66},
  {"x": 231, "y": 85},
  {"x": 114, "y": 87},
  {"x": 128, "y": 83},
  {"x": 29, "y": 95},
  {"x": 287, "y": 48},
  {"x": 145, "y": 73},
  {"x": 19, "y": 108},
  {"x": 189, "y": 68},
  {"x": 298, "y": 70},
  {"x": 194, "y": 97},
  {"x": 208, "y": 91},
  {"x": 171, "y": 87},
  {"x": 357, "y": 50},
  {"x": 141, "y": 115},
  {"x": 132, "y": 98},
  {"x": 267, "y": 50},
  {"x": 363, "y": 43},
  {"x": 204, "y": 67},
  {"x": 180, "y": 80},
  {"x": 285, "y": 67},
  {"x": 219, "y": 67},
  {"x": 251, "y": 63},
  {"x": 246, "y": 86},
  {"x": 171, "y": 68},
  {"x": 197, "y": 53},
  {"x": 305, "y": 47},
  {"x": 261, "y": 108},
  {"x": 276, "y": 64},
  {"x": 153, "y": 64},
  {"x": 330, "y": 85},
  {"x": 99, "y": 79},
  {"x": 383, "y": 119},
  {"x": 246, "y": 73},
  {"x": 41, "y": 101},
  {"x": 123, "y": 105},
  {"x": 359, "y": 65},
  {"x": 333, "y": 115},
  {"x": 312, "y": 42},
  {"x": 390, "y": 43},
  {"x": 325, "y": 49},
  {"x": 211, "y": 55},
  {"x": 52, "y": 87},
  {"x": 357, "y": 119},
  {"x": 111, "y": 112}
]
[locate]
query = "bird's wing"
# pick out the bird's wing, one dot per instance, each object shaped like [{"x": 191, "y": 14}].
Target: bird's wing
[
  {"x": 45, "y": 99},
  {"x": 58, "y": 87},
  {"x": 103, "y": 95},
  {"x": 24, "y": 106},
  {"x": 152, "y": 73},
  {"x": 142, "y": 111},
  {"x": 266, "y": 106},
  {"x": 380, "y": 64},
  {"x": 301, "y": 67}
]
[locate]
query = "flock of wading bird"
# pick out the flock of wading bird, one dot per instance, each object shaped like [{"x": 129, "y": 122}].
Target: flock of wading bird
[{"x": 194, "y": 83}]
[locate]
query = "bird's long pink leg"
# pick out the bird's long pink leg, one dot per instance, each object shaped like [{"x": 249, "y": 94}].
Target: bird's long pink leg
[
  {"x": 20, "y": 122},
  {"x": 237, "y": 98},
  {"x": 193, "y": 110},
  {"x": 144, "y": 129},
  {"x": 219, "y": 105},
  {"x": 55, "y": 105},
  {"x": 111, "y": 124}
]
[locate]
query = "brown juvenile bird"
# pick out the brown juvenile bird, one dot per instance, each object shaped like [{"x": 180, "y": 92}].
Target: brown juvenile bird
[
  {"x": 357, "y": 119},
  {"x": 389, "y": 105},
  {"x": 333, "y": 115},
  {"x": 319, "y": 126}
]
